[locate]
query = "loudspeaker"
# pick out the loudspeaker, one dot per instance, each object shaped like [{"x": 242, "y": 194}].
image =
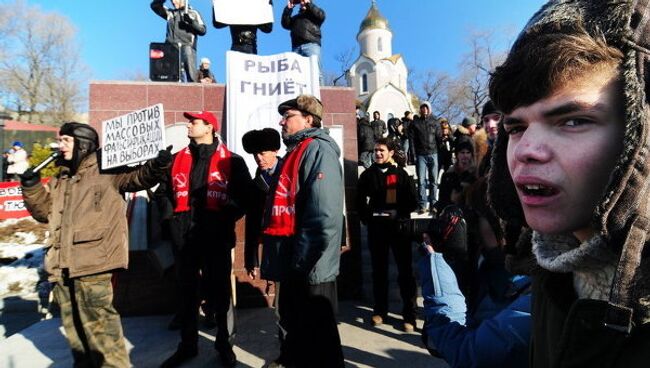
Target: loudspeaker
[{"x": 163, "y": 62}]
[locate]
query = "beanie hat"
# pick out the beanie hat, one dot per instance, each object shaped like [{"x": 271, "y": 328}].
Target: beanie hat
[
  {"x": 464, "y": 144},
  {"x": 17, "y": 143},
  {"x": 488, "y": 109},
  {"x": 255, "y": 141},
  {"x": 468, "y": 121}
]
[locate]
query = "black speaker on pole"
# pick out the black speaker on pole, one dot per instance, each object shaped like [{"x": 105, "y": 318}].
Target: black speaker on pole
[{"x": 163, "y": 62}]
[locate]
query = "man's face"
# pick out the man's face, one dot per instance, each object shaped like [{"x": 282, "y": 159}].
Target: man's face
[
  {"x": 561, "y": 152},
  {"x": 464, "y": 159},
  {"x": 265, "y": 160},
  {"x": 491, "y": 124},
  {"x": 375, "y": 115},
  {"x": 294, "y": 121},
  {"x": 424, "y": 111},
  {"x": 205, "y": 66},
  {"x": 472, "y": 129},
  {"x": 197, "y": 129},
  {"x": 382, "y": 154},
  {"x": 178, "y": 3},
  {"x": 66, "y": 146}
]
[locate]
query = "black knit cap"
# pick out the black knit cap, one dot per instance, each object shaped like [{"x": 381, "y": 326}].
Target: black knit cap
[
  {"x": 255, "y": 141},
  {"x": 488, "y": 109},
  {"x": 464, "y": 144}
]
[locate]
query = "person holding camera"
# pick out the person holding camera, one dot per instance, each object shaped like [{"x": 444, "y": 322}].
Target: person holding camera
[
  {"x": 184, "y": 25},
  {"x": 305, "y": 28},
  {"x": 386, "y": 198}
]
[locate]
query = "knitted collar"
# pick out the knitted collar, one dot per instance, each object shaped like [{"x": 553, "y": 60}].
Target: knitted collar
[{"x": 592, "y": 263}]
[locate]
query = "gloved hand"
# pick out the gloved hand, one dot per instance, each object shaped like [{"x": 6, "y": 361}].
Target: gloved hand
[
  {"x": 30, "y": 178},
  {"x": 164, "y": 157},
  {"x": 188, "y": 18}
]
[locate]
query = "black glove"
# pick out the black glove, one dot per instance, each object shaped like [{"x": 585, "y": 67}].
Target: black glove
[
  {"x": 30, "y": 178},
  {"x": 188, "y": 18},
  {"x": 164, "y": 157}
]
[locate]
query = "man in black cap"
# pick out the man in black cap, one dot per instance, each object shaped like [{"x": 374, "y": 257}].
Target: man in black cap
[
  {"x": 84, "y": 208},
  {"x": 305, "y": 216}
]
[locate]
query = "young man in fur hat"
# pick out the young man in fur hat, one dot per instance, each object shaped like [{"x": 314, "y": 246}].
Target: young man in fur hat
[
  {"x": 571, "y": 158},
  {"x": 84, "y": 207},
  {"x": 207, "y": 188},
  {"x": 305, "y": 216}
]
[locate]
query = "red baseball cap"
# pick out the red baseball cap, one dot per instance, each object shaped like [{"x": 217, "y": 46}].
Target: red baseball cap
[{"x": 206, "y": 116}]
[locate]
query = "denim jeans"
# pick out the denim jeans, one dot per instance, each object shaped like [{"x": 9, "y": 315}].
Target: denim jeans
[
  {"x": 309, "y": 49},
  {"x": 427, "y": 170},
  {"x": 188, "y": 63}
]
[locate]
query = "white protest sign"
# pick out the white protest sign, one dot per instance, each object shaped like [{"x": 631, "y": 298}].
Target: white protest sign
[
  {"x": 134, "y": 137},
  {"x": 250, "y": 12},
  {"x": 257, "y": 85}
]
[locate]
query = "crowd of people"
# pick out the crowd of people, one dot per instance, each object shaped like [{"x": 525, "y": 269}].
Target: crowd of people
[
  {"x": 534, "y": 250},
  {"x": 185, "y": 25}
]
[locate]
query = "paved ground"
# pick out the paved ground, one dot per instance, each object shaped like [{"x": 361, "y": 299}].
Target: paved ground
[{"x": 43, "y": 344}]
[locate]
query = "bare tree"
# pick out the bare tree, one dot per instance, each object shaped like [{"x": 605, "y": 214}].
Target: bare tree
[
  {"x": 345, "y": 59},
  {"x": 40, "y": 68}
]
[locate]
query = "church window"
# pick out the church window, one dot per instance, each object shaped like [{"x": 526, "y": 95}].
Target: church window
[
  {"x": 364, "y": 83},
  {"x": 379, "y": 45}
]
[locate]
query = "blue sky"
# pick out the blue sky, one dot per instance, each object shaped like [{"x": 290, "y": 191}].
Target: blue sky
[{"x": 430, "y": 34}]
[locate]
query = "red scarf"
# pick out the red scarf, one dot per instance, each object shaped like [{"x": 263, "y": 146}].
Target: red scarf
[
  {"x": 283, "y": 211},
  {"x": 218, "y": 174}
]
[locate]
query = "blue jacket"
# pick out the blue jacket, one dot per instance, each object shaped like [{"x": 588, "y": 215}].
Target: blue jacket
[{"x": 500, "y": 341}]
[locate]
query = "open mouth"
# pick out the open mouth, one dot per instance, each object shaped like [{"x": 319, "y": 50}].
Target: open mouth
[{"x": 538, "y": 190}]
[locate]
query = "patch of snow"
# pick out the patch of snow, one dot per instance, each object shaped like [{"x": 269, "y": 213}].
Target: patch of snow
[
  {"x": 27, "y": 238},
  {"x": 21, "y": 277}
]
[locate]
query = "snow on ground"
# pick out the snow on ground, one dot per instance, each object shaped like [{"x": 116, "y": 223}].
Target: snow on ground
[{"x": 20, "y": 278}]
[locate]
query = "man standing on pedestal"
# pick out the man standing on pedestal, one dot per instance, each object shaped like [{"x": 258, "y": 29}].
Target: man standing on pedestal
[{"x": 184, "y": 25}]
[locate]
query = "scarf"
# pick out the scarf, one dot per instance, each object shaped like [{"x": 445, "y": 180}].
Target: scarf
[
  {"x": 218, "y": 174},
  {"x": 282, "y": 220}
]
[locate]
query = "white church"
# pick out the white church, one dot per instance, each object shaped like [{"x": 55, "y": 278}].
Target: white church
[{"x": 378, "y": 76}]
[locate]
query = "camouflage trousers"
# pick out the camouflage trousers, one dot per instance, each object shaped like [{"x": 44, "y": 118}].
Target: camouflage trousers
[{"x": 92, "y": 325}]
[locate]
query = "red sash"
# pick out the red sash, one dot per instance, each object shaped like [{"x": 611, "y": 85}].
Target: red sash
[
  {"x": 218, "y": 174},
  {"x": 282, "y": 221}
]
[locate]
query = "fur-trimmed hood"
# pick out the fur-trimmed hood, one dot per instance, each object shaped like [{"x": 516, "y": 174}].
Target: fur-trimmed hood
[{"x": 622, "y": 216}]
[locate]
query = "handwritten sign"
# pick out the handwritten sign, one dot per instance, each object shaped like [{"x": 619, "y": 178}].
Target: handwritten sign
[{"x": 134, "y": 137}]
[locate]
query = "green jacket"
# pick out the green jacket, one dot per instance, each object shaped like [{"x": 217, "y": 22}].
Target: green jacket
[{"x": 86, "y": 216}]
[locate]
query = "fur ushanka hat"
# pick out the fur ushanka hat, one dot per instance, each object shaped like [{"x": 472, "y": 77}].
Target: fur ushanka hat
[{"x": 622, "y": 217}]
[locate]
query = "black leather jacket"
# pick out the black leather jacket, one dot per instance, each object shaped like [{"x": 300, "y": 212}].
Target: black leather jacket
[
  {"x": 425, "y": 133},
  {"x": 304, "y": 26}
]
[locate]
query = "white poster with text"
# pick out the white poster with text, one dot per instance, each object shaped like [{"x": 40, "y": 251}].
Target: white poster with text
[
  {"x": 257, "y": 85},
  {"x": 134, "y": 137},
  {"x": 250, "y": 12}
]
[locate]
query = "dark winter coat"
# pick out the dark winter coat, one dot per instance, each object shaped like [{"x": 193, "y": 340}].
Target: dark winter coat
[
  {"x": 371, "y": 193},
  {"x": 304, "y": 26},
  {"x": 200, "y": 224},
  {"x": 424, "y": 134},
  {"x": 365, "y": 136},
  {"x": 86, "y": 216},
  {"x": 378, "y": 128},
  {"x": 179, "y": 30}
]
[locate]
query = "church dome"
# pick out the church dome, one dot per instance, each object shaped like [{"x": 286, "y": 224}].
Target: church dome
[{"x": 374, "y": 20}]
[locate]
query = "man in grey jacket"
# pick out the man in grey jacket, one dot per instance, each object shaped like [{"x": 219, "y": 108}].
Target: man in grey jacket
[
  {"x": 305, "y": 214},
  {"x": 184, "y": 25}
]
